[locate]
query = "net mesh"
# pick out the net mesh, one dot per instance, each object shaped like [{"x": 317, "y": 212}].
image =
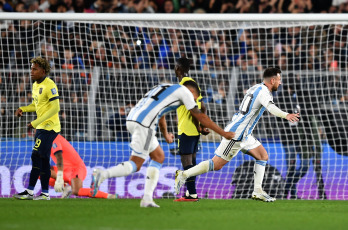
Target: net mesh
[{"x": 102, "y": 68}]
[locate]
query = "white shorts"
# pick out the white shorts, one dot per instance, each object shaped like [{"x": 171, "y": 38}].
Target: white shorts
[
  {"x": 143, "y": 141},
  {"x": 229, "y": 148}
]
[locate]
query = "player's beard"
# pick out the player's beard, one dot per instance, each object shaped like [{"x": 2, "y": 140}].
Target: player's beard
[{"x": 275, "y": 88}]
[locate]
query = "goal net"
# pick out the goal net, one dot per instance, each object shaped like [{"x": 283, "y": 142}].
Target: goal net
[{"x": 103, "y": 64}]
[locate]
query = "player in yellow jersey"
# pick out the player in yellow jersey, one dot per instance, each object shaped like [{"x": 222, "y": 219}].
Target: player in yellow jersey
[
  {"x": 46, "y": 105},
  {"x": 189, "y": 131}
]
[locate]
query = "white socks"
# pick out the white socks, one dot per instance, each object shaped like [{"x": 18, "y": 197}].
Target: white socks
[
  {"x": 122, "y": 169},
  {"x": 152, "y": 175},
  {"x": 259, "y": 172},
  {"x": 203, "y": 167}
]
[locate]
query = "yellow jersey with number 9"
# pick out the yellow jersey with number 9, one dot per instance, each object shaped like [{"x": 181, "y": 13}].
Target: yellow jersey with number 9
[
  {"x": 185, "y": 118},
  {"x": 42, "y": 94}
]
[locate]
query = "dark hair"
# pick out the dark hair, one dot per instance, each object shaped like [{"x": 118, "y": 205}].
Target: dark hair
[
  {"x": 184, "y": 64},
  {"x": 193, "y": 85},
  {"x": 43, "y": 63},
  {"x": 271, "y": 72}
]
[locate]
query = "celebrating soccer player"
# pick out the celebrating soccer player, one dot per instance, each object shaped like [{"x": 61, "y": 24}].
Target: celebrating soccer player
[
  {"x": 70, "y": 170},
  {"x": 46, "y": 105},
  {"x": 189, "y": 132},
  {"x": 258, "y": 98},
  {"x": 142, "y": 122}
]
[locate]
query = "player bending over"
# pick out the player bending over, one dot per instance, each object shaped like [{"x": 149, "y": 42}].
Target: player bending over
[
  {"x": 142, "y": 122},
  {"x": 70, "y": 170},
  {"x": 257, "y": 99}
]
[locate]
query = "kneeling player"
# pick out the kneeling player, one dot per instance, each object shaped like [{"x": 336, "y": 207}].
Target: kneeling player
[{"x": 70, "y": 171}]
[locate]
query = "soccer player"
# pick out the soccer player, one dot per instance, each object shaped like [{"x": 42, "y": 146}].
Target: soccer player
[
  {"x": 70, "y": 170},
  {"x": 46, "y": 105},
  {"x": 189, "y": 132},
  {"x": 258, "y": 98},
  {"x": 142, "y": 122}
]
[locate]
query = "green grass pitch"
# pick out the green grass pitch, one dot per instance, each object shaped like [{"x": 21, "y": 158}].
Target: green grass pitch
[{"x": 100, "y": 214}]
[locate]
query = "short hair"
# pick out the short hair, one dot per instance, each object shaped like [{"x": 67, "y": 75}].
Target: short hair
[
  {"x": 271, "y": 72},
  {"x": 184, "y": 64},
  {"x": 43, "y": 63},
  {"x": 193, "y": 85}
]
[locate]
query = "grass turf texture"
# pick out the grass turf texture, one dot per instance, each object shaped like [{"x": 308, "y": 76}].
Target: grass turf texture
[{"x": 100, "y": 214}]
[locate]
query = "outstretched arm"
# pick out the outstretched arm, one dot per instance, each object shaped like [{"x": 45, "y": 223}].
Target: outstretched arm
[
  {"x": 203, "y": 130},
  {"x": 163, "y": 127},
  {"x": 23, "y": 109},
  {"x": 272, "y": 108},
  {"x": 207, "y": 122}
]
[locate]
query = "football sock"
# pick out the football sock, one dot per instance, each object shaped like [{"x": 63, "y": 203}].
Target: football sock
[
  {"x": 35, "y": 170},
  {"x": 203, "y": 167},
  {"x": 123, "y": 169},
  {"x": 45, "y": 174},
  {"x": 190, "y": 182},
  {"x": 259, "y": 172},
  {"x": 86, "y": 192},
  {"x": 152, "y": 175}
]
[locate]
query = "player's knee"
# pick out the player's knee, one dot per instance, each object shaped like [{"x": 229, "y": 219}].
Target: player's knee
[{"x": 186, "y": 160}]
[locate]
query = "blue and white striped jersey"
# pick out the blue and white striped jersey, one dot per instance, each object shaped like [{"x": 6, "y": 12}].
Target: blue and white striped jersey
[
  {"x": 252, "y": 107},
  {"x": 159, "y": 101}
]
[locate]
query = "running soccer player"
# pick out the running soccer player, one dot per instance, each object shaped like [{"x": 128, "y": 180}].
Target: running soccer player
[
  {"x": 142, "y": 122},
  {"x": 189, "y": 132},
  {"x": 46, "y": 105},
  {"x": 257, "y": 99},
  {"x": 70, "y": 171}
]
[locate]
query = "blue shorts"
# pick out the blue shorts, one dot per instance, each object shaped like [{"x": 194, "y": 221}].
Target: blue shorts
[
  {"x": 188, "y": 144},
  {"x": 43, "y": 142}
]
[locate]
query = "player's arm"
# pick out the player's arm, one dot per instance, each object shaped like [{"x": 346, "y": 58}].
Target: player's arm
[
  {"x": 163, "y": 127},
  {"x": 24, "y": 109},
  {"x": 206, "y": 122},
  {"x": 273, "y": 109},
  {"x": 54, "y": 109},
  {"x": 59, "y": 184},
  {"x": 204, "y": 130}
]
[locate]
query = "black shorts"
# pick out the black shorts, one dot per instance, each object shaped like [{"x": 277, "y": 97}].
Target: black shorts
[
  {"x": 188, "y": 144},
  {"x": 43, "y": 142}
]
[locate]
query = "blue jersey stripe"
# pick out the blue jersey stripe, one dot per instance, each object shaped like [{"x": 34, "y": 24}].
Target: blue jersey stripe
[
  {"x": 168, "y": 109},
  {"x": 153, "y": 104},
  {"x": 237, "y": 124},
  {"x": 256, "y": 120}
]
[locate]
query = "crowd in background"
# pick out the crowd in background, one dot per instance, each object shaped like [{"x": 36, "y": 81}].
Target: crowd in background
[
  {"x": 73, "y": 49},
  {"x": 176, "y": 6}
]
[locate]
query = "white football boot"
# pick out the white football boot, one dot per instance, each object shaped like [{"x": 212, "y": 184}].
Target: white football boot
[{"x": 263, "y": 196}]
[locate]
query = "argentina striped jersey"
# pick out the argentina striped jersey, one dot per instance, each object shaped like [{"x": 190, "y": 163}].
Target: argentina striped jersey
[
  {"x": 252, "y": 107},
  {"x": 159, "y": 101}
]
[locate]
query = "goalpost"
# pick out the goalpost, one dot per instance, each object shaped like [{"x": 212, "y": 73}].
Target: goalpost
[{"x": 104, "y": 63}]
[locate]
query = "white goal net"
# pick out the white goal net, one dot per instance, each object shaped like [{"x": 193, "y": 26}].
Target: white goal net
[{"x": 103, "y": 65}]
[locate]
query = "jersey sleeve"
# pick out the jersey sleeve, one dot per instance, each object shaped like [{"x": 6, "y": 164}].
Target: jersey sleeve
[
  {"x": 52, "y": 92},
  {"x": 187, "y": 98},
  {"x": 265, "y": 98}
]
